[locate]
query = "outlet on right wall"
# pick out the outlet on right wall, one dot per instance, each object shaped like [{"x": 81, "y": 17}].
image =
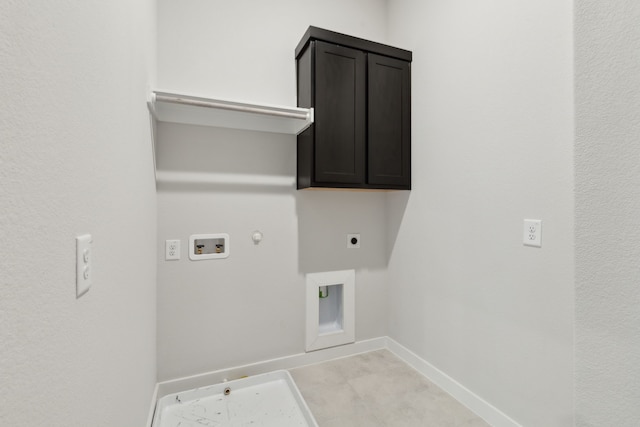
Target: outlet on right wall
[{"x": 492, "y": 141}]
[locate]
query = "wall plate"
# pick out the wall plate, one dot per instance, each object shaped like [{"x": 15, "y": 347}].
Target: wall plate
[
  {"x": 84, "y": 269},
  {"x": 532, "y": 233},
  {"x": 208, "y": 246},
  {"x": 172, "y": 250}
]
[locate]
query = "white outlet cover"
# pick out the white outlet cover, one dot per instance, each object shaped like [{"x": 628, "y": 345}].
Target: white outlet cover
[
  {"x": 172, "y": 250},
  {"x": 84, "y": 268},
  {"x": 532, "y": 233}
]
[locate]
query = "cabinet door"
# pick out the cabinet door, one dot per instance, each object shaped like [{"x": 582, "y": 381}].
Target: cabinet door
[
  {"x": 389, "y": 126},
  {"x": 340, "y": 114}
]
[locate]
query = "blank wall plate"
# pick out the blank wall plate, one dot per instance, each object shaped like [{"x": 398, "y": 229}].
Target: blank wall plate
[{"x": 532, "y": 233}]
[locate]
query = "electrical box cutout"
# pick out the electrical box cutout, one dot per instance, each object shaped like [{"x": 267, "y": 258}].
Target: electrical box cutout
[{"x": 208, "y": 246}]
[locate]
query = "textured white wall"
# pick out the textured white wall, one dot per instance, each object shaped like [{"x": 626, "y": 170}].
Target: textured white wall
[
  {"x": 250, "y": 307},
  {"x": 607, "y": 162},
  {"x": 243, "y": 49},
  {"x": 76, "y": 159},
  {"x": 492, "y": 145}
]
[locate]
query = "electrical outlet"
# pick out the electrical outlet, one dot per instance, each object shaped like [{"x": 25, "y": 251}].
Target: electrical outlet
[
  {"x": 172, "y": 250},
  {"x": 84, "y": 273},
  {"x": 353, "y": 241},
  {"x": 532, "y": 233}
]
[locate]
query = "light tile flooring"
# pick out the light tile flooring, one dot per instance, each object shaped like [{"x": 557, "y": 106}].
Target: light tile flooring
[{"x": 377, "y": 389}]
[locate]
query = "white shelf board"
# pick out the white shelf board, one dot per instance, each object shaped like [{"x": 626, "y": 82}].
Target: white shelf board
[{"x": 188, "y": 109}]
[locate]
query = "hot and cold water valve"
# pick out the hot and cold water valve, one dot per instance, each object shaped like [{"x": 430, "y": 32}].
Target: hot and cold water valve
[
  {"x": 205, "y": 246},
  {"x": 208, "y": 246},
  {"x": 216, "y": 246}
]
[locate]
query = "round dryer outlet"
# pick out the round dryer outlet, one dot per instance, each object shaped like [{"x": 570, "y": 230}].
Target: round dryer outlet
[{"x": 353, "y": 240}]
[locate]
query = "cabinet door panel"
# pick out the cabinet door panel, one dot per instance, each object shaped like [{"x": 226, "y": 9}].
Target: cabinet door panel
[
  {"x": 389, "y": 124},
  {"x": 340, "y": 109}
]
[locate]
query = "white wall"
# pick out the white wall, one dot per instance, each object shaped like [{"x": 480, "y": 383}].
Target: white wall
[
  {"x": 492, "y": 85},
  {"x": 76, "y": 158},
  {"x": 244, "y": 49},
  {"x": 250, "y": 307},
  {"x": 492, "y": 145},
  {"x": 607, "y": 150}
]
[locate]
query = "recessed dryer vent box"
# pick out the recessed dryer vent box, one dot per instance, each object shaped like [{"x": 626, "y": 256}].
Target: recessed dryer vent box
[
  {"x": 208, "y": 246},
  {"x": 330, "y": 309}
]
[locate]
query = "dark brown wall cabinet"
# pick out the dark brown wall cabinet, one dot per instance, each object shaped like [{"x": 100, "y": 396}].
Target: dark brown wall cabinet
[{"x": 361, "y": 95}]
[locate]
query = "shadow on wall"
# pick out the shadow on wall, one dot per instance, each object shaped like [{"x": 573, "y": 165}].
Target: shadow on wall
[
  {"x": 397, "y": 202},
  {"x": 326, "y": 217},
  {"x": 205, "y": 159},
  {"x": 198, "y": 159}
]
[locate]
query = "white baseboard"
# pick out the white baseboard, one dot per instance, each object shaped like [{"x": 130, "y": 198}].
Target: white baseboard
[
  {"x": 475, "y": 403},
  {"x": 482, "y": 408}
]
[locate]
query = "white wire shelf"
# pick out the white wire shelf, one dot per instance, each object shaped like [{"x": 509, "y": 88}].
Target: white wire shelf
[{"x": 188, "y": 109}]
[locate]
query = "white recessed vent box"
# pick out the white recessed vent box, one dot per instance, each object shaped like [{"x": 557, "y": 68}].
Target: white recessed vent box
[
  {"x": 208, "y": 246},
  {"x": 330, "y": 309}
]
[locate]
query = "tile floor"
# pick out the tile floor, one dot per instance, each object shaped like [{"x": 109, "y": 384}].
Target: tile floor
[{"x": 377, "y": 389}]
